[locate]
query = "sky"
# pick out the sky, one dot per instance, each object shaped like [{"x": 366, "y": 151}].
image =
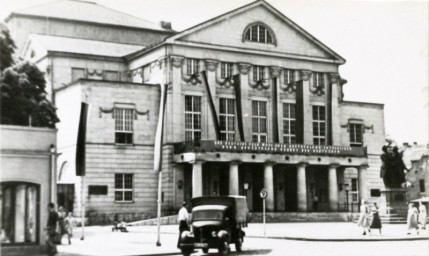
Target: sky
[{"x": 384, "y": 42}]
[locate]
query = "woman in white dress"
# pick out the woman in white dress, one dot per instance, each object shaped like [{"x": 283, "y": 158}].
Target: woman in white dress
[
  {"x": 422, "y": 215},
  {"x": 364, "y": 217},
  {"x": 412, "y": 219}
]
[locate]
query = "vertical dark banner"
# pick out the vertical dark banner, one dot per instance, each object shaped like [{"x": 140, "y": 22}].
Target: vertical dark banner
[
  {"x": 212, "y": 106},
  {"x": 237, "y": 88},
  {"x": 275, "y": 112},
  {"x": 299, "y": 111},
  {"x": 81, "y": 141},
  {"x": 157, "y": 161},
  {"x": 329, "y": 113}
]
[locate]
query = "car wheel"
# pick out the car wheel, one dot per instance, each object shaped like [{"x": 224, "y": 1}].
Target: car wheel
[
  {"x": 224, "y": 248},
  {"x": 186, "y": 252},
  {"x": 238, "y": 244},
  {"x": 205, "y": 250}
]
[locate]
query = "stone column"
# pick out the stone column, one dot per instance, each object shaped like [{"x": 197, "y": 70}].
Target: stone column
[
  {"x": 233, "y": 178},
  {"x": 335, "y": 110},
  {"x": 197, "y": 178},
  {"x": 308, "y": 115},
  {"x": 362, "y": 181},
  {"x": 302, "y": 187},
  {"x": 269, "y": 185},
  {"x": 333, "y": 187}
]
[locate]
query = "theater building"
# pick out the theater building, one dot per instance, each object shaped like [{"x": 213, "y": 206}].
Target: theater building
[{"x": 269, "y": 113}]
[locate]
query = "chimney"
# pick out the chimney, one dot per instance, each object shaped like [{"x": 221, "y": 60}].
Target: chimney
[
  {"x": 405, "y": 144},
  {"x": 166, "y": 25}
]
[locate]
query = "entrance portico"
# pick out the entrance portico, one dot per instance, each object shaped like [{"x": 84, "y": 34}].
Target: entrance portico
[{"x": 293, "y": 181}]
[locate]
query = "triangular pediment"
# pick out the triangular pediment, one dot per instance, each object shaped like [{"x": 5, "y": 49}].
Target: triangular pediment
[{"x": 228, "y": 30}]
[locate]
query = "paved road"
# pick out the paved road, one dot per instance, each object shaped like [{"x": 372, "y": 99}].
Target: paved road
[{"x": 101, "y": 241}]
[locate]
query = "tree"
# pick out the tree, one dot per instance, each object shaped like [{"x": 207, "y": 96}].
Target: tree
[
  {"x": 23, "y": 91},
  {"x": 7, "y": 48}
]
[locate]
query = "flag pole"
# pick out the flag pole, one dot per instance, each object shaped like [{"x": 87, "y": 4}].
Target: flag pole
[{"x": 158, "y": 155}]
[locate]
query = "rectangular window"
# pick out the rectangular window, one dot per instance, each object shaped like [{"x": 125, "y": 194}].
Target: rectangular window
[
  {"x": 258, "y": 73},
  {"x": 78, "y": 73},
  {"x": 225, "y": 69},
  {"x": 318, "y": 79},
  {"x": 123, "y": 125},
  {"x": 192, "y": 118},
  {"x": 319, "y": 125},
  {"x": 259, "y": 121},
  {"x": 356, "y": 132},
  {"x": 97, "y": 190},
  {"x": 227, "y": 119},
  {"x": 354, "y": 191},
  {"x": 375, "y": 193},
  {"x": 289, "y": 120},
  {"x": 289, "y": 76},
  {"x": 192, "y": 66},
  {"x": 422, "y": 186},
  {"x": 123, "y": 187},
  {"x": 111, "y": 75}
]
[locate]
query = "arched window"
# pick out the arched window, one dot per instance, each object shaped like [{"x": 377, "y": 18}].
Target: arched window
[{"x": 260, "y": 33}]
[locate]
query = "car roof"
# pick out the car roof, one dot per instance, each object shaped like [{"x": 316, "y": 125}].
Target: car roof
[{"x": 209, "y": 207}]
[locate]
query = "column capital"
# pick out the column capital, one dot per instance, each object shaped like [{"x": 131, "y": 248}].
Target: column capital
[
  {"x": 334, "y": 77},
  {"x": 275, "y": 71},
  {"x": 269, "y": 162},
  {"x": 235, "y": 162},
  {"x": 177, "y": 61},
  {"x": 334, "y": 165},
  {"x": 363, "y": 166},
  {"x": 305, "y": 74},
  {"x": 302, "y": 164},
  {"x": 211, "y": 64},
  {"x": 197, "y": 161},
  {"x": 244, "y": 68}
]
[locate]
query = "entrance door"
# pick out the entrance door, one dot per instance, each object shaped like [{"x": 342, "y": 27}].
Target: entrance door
[
  {"x": 258, "y": 184},
  {"x": 65, "y": 196},
  {"x": 291, "y": 194}
]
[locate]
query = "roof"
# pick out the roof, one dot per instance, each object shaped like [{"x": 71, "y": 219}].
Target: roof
[
  {"x": 83, "y": 46},
  {"x": 89, "y": 12},
  {"x": 279, "y": 14}
]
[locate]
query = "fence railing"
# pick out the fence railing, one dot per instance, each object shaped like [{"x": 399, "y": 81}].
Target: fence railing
[{"x": 351, "y": 207}]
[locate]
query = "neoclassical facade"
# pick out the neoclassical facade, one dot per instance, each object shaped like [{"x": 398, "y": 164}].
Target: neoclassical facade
[{"x": 254, "y": 101}]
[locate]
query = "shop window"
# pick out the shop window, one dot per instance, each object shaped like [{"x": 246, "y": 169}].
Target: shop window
[{"x": 19, "y": 213}]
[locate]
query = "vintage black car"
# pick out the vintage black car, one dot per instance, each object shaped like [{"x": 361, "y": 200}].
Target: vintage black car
[{"x": 216, "y": 222}]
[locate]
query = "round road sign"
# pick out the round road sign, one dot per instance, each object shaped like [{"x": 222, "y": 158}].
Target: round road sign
[{"x": 263, "y": 193}]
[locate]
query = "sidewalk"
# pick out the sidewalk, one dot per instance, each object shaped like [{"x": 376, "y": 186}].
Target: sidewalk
[{"x": 140, "y": 240}]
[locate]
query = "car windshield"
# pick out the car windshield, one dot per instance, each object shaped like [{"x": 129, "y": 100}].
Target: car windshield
[{"x": 207, "y": 215}]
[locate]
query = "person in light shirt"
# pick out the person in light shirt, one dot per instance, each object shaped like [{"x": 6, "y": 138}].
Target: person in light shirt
[{"x": 183, "y": 218}]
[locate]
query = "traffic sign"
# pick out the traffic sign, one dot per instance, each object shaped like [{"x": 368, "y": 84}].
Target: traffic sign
[{"x": 263, "y": 193}]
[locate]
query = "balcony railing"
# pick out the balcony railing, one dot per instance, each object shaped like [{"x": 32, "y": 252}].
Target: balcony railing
[{"x": 268, "y": 148}]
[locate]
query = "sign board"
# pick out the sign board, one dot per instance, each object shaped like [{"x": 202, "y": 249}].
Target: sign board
[{"x": 263, "y": 193}]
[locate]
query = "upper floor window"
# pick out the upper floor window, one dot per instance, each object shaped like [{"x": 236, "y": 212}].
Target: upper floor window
[
  {"x": 259, "y": 33},
  {"x": 259, "y": 121},
  {"x": 289, "y": 76},
  {"x": 356, "y": 132},
  {"x": 123, "y": 125},
  {"x": 227, "y": 119},
  {"x": 258, "y": 73},
  {"x": 192, "y": 66},
  {"x": 225, "y": 69},
  {"x": 319, "y": 125},
  {"x": 318, "y": 79},
  {"x": 192, "y": 118},
  {"x": 289, "y": 120}
]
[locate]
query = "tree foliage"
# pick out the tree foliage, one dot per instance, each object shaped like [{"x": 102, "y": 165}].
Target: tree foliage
[
  {"x": 23, "y": 93},
  {"x": 7, "y": 48}
]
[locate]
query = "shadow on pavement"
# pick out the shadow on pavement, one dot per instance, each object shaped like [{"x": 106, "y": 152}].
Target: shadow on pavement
[{"x": 246, "y": 252}]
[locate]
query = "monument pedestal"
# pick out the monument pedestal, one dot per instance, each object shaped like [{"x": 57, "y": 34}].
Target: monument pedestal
[{"x": 396, "y": 205}]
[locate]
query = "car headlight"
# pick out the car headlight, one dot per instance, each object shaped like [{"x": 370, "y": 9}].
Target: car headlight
[
  {"x": 214, "y": 234},
  {"x": 222, "y": 234}
]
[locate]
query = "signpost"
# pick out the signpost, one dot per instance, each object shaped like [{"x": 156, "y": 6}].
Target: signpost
[{"x": 263, "y": 194}]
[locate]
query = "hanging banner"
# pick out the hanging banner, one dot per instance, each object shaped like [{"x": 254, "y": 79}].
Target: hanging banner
[
  {"x": 81, "y": 140},
  {"x": 212, "y": 106},
  {"x": 237, "y": 89},
  {"x": 159, "y": 129}
]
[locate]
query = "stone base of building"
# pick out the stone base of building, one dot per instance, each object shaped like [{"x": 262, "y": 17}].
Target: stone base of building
[
  {"x": 22, "y": 250},
  {"x": 272, "y": 217},
  {"x": 103, "y": 218}
]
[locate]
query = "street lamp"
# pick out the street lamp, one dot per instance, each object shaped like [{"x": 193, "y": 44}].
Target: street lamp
[{"x": 346, "y": 186}]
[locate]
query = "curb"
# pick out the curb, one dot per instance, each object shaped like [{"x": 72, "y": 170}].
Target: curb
[{"x": 341, "y": 239}]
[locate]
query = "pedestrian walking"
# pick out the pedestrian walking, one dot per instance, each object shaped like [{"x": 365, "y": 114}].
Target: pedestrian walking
[
  {"x": 51, "y": 228},
  {"x": 412, "y": 219},
  {"x": 61, "y": 224},
  {"x": 422, "y": 215},
  {"x": 376, "y": 222},
  {"x": 69, "y": 224},
  {"x": 183, "y": 218},
  {"x": 364, "y": 217}
]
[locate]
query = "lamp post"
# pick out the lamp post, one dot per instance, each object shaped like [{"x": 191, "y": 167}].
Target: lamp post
[{"x": 346, "y": 186}]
